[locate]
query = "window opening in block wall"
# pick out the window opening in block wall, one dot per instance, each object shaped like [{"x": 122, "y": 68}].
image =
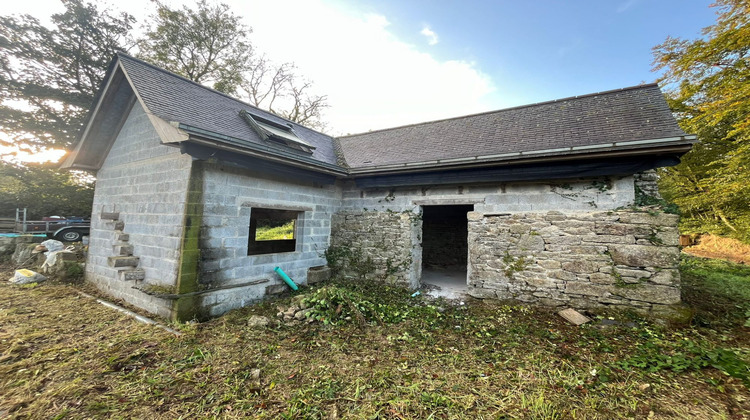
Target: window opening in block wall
[{"x": 272, "y": 231}]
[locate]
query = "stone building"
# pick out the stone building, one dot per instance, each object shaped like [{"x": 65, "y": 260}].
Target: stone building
[{"x": 534, "y": 203}]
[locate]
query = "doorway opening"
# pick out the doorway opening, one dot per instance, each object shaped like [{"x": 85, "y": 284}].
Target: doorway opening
[{"x": 445, "y": 249}]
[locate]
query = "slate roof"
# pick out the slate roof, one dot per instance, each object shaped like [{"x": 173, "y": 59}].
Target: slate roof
[
  {"x": 174, "y": 98},
  {"x": 580, "y": 125},
  {"x": 629, "y": 114}
]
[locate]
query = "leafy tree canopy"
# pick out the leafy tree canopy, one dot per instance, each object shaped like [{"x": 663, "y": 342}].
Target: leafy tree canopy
[
  {"x": 49, "y": 76},
  {"x": 207, "y": 45},
  {"x": 709, "y": 81},
  {"x": 44, "y": 191},
  {"x": 210, "y": 45}
]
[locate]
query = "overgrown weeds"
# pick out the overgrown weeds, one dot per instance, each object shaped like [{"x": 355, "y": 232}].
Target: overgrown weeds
[
  {"x": 408, "y": 358},
  {"x": 720, "y": 290}
]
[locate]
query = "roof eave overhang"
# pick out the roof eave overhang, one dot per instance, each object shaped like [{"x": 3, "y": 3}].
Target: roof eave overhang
[
  {"x": 260, "y": 151},
  {"x": 673, "y": 145}
]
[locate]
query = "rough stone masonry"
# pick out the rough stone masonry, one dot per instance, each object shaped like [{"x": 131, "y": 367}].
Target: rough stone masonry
[
  {"x": 625, "y": 259},
  {"x": 599, "y": 251}
]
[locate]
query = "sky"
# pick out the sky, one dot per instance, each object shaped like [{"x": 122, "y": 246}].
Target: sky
[{"x": 393, "y": 62}]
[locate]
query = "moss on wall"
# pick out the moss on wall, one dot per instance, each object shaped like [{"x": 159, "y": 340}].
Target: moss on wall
[{"x": 186, "y": 308}]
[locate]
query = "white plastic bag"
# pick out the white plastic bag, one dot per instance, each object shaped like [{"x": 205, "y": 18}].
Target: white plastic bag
[{"x": 53, "y": 247}]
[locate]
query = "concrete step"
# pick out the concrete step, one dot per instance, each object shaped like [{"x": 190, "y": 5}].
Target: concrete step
[
  {"x": 109, "y": 216},
  {"x": 134, "y": 274},
  {"x": 116, "y": 225},
  {"x": 123, "y": 261},
  {"x": 123, "y": 250}
]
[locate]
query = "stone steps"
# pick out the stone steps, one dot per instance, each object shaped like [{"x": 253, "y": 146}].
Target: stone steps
[
  {"x": 134, "y": 274},
  {"x": 123, "y": 249},
  {"x": 116, "y": 225},
  {"x": 123, "y": 261},
  {"x": 109, "y": 215}
]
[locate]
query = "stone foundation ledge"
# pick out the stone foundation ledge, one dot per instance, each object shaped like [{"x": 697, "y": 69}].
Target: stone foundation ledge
[{"x": 676, "y": 312}]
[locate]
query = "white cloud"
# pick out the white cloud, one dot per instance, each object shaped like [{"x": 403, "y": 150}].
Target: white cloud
[
  {"x": 373, "y": 79},
  {"x": 432, "y": 37}
]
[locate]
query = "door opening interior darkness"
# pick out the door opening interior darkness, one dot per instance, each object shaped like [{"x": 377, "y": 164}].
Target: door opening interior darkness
[{"x": 445, "y": 245}]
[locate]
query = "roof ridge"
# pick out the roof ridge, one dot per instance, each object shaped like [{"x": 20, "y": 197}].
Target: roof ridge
[
  {"x": 226, "y": 95},
  {"x": 606, "y": 92}
]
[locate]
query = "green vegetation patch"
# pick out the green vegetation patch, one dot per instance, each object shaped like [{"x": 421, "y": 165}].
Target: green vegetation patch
[
  {"x": 720, "y": 288},
  {"x": 409, "y": 358},
  {"x": 268, "y": 233}
]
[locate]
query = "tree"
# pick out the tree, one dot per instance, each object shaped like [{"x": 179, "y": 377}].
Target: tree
[
  {"x": 210, "y": 45},
  {"x": 278, "y": 89},
  {"x": 48, "y": 80},
  {"x": 49, "y": 76},
  {"x": 709, "y": 81},
  {"x": 207, "y": 45},
  {"x": 44, "y": 190}
]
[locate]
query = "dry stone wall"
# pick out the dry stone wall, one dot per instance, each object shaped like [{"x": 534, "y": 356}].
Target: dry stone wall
[
  {"x": 624, "y": 259},
  {"x": 377, "y": 245},
  {"x": 647, "y": 183}
]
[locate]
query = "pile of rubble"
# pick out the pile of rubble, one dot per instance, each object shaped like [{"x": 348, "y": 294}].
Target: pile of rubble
[
  {"x": 297, "y": 313},
  {"x": 51, "y": 257}
]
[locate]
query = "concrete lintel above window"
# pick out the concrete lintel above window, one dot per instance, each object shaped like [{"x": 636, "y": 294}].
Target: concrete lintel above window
[
  {"x": 277, "y": 206},
  {"x": 448, "y": 201}
]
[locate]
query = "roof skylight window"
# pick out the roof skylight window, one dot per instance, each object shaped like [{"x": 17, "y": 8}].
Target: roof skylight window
[{"x": 274, "y": 132}]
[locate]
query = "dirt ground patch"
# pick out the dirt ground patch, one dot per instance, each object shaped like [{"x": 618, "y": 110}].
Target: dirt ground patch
[
  {"x": 64, "y": 356},
  {"x": 712, "y": 246}
]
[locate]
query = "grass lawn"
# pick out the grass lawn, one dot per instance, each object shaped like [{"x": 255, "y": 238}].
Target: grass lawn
[
  {"x": 65, "y": 356},
  {"x": 267, "y": 233}
]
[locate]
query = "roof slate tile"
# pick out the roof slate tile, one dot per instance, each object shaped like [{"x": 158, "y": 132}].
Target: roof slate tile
[
  {"x": 636, "y": 113},
  {"x": 174, "y": 98}
]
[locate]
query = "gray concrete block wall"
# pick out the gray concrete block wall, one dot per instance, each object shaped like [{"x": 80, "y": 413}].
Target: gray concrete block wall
[
  {"x": 230, "y": 194},
  {"x": 583, "y": 195},
  {"x": 146, "y": 182}
]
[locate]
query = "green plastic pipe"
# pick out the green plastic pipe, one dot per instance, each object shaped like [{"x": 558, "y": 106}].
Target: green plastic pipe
[{"x": 286, "y": 278}]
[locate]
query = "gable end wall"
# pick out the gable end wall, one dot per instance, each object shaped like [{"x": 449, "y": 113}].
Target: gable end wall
[{"x": 146, "y": 183}]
